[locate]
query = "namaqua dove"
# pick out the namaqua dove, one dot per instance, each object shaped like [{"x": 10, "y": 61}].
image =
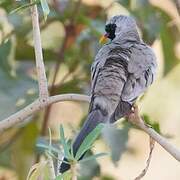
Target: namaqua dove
[{"x": 122, "y": 70}]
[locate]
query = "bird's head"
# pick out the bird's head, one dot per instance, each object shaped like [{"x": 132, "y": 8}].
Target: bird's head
[{"x": 121, "y": 27}]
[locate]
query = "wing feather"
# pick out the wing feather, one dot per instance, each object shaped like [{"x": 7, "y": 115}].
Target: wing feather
[{"x": 141, "y": 70}]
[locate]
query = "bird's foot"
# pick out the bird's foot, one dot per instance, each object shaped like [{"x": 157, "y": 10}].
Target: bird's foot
[
  {"x": 134, "y": 116},
  {"x": 133, "y": 112}
]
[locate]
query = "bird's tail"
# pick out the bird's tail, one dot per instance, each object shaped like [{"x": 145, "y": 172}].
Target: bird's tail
[{"x": 94, "y": 118}]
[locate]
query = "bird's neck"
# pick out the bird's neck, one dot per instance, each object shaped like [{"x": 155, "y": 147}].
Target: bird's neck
[{"x": 127, "y": 39}]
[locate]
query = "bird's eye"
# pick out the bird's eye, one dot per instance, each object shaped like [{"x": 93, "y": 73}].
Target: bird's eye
[{"x": 110, "y": 29}]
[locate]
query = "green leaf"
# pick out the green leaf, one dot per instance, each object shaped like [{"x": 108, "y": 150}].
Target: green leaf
[
  {"x": 45, "y": 8},
  {"x": 65, "y": 144},
  {"x": 50, "y": 138},
  {"x": 47, "y": 147},
  {"x": 55, "y": 157},
  {"x": 153, "y": 124},
  {"x": 116, "y": 139},
  {"x": 90, "y": 158},
  {"x": 88, "y": 141},
  {"x": 89, "y": 169},
  {"x": 23, "y": 7},
  {"x": 71, "y": 150}
]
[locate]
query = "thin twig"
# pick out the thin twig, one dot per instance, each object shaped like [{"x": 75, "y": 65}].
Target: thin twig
[
  {"x": 57, "y": 66},
  {"x": 144, "y": 171},
  {"x": 37, "y": 105},
  {"x": 135, "y": 119},
  {"x": 41, "y": 74}
]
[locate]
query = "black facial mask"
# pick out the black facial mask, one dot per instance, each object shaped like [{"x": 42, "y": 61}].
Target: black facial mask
[{"x": 110, "y": 29}]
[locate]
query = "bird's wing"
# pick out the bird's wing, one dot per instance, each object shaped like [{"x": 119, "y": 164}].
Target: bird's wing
[
  {"x": 141, "y": 69},
  {"x": 96, "y": 67},
  {"x": 109, "y": 73},
  {"x": 104, "y": 56}
]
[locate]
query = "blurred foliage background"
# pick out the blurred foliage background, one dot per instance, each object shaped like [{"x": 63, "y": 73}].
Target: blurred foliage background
[{"x": 70, "y": 41}]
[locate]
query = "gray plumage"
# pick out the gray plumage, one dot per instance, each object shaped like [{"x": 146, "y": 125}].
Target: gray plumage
[{"x": 122, "y": 70}]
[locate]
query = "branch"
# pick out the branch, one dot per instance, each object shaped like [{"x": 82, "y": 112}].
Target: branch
[
  {"x": 37, "y": 105},
  {"x": 144, "y": 171},
  {"x": 135, "y": 119},
  {"x": 60, "y": 60},
  {"x": 41, "y": 74},
  {"x": 51, "y": 91}
]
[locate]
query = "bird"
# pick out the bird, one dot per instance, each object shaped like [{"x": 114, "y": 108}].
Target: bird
[{"x": 122, "y": 70}]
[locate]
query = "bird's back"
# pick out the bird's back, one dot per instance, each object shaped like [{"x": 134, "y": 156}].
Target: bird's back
[
  {"x": 109, "y": 74},
  {"x": 120, "y": 75}
]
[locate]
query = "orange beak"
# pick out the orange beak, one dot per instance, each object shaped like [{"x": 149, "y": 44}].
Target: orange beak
[{"x": 103, "y": 39}]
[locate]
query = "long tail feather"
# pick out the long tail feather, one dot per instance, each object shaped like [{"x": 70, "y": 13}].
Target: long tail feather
[{"x": 93, "y": 119}]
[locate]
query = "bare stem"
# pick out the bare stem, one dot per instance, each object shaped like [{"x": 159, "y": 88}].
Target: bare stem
[
  {"x": 51, "y": 92},
  {"x": 144, "y": 171},
  {"x": 37, "y": 105},
  {"x": 41, "y": 74},
  {"x": 74, "y": 171},
  {"x": 58, "y": 63},
  {"x": 135, "y": 119}
]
